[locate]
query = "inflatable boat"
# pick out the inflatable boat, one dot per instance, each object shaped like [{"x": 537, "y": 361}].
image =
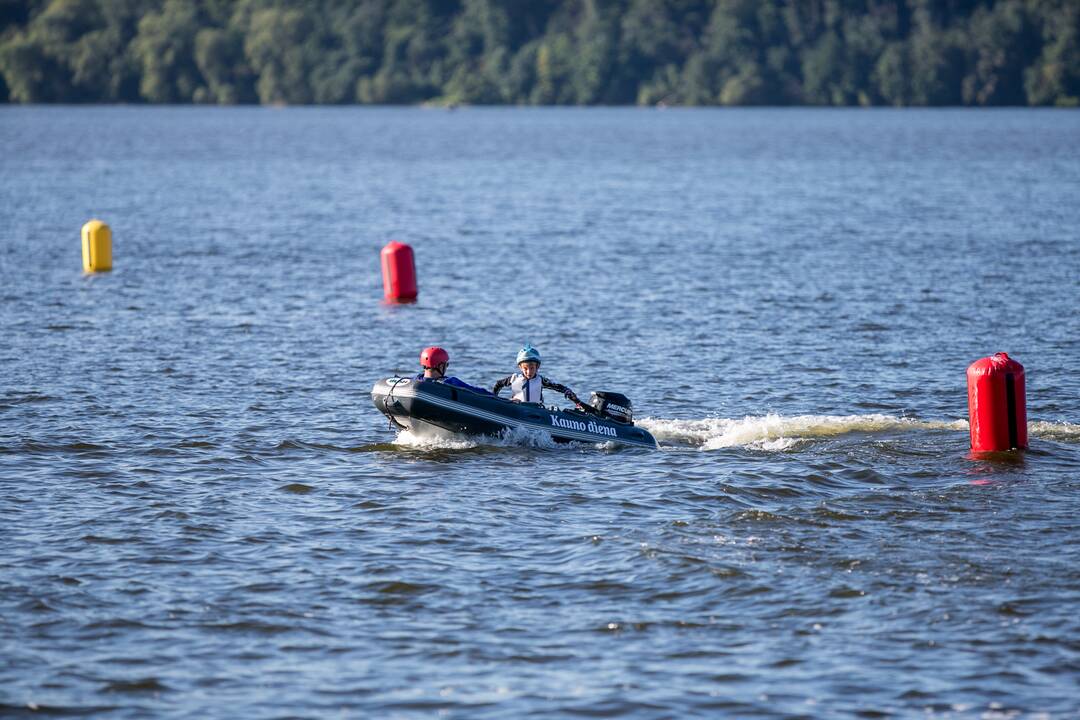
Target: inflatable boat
[{"x": 419, "y": 404}]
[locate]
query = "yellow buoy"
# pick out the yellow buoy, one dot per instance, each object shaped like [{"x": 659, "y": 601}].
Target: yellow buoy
[{"x": 96, "y": 247}]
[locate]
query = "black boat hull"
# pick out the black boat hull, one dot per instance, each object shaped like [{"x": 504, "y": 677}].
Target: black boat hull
[{"x": 420, "y": 404}]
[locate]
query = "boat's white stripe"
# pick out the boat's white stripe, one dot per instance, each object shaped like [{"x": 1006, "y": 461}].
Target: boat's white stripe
[{"x": 503, "y": 420}]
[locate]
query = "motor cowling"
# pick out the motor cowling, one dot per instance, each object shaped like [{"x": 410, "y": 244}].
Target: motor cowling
[{"x": 613, "y": 406}]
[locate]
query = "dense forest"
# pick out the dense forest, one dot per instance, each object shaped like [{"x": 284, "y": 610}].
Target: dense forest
[{"x": 542, "y": 52}]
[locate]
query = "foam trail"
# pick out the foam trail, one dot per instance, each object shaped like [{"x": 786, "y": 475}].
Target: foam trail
[
  {"x": 1062, "y": 432},
  {"x": 430, "y": 440},
  {"x": 525, "y": 437},
  {"x": 433, "y": 439},
  {"x": 779, "y": 433},
  {"x": 774, "y": 433}
]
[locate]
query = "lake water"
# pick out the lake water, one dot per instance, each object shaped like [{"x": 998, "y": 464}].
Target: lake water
[{"x": 203, "y": 515}]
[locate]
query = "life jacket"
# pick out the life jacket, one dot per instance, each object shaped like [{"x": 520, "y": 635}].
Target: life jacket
[{"x": 530, "y": 391}]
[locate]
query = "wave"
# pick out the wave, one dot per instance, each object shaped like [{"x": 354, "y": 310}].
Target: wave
[
  {"x": 423, "y": 440},
  {"x": 1062, "y": 432},
  {"x": 770, "y": 433},
  {"x": 431, "y": 439},
  {"x": 778, "y": 433}
]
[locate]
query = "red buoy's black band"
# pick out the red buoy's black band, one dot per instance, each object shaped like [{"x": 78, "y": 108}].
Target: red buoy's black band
[{"x": 1010, "y": 405}]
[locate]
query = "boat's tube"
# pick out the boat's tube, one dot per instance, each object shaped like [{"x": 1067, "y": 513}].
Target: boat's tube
[{"x": 417, "y": 404}]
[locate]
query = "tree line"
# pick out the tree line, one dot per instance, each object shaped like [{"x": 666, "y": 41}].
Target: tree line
[{"x": 542, "y": 52}]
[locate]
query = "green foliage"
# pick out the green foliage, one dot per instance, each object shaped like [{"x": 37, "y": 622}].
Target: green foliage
[
  {"x": 1001, "y": 44},
  {"x": 219, "y": 57},
  {"x": 278, "y": 44},
  {"x": 164, "y": 51},
  {"x": 583, "y": 52},
  {"x": 1054, "y": 78}
]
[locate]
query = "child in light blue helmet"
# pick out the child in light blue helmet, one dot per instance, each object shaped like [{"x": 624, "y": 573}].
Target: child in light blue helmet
[{"x": 528, "y": 385}]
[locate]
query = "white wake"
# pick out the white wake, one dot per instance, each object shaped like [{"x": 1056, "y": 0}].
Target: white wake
[
  {"x": 436, "y": 439},
  {"x": 771, "y": 433},
  {"x": 779, "y": 433}
]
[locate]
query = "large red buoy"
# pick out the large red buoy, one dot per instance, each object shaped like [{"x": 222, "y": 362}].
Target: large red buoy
[
  {"x": 398, "y": 272},
  {"x": 996, "y": 404}
]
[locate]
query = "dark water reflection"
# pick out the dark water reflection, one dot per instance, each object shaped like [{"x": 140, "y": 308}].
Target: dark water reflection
[{"x": 203, "y": 515}]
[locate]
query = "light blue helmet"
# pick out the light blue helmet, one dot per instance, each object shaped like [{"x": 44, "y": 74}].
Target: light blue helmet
[{"x": 528, "y": 354}]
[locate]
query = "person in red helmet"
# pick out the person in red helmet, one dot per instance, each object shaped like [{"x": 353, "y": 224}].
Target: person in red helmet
[{"x": 434, "y": 361}]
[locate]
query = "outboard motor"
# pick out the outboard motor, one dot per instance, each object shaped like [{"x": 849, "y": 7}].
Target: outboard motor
[{"x": 613, "y": 406}]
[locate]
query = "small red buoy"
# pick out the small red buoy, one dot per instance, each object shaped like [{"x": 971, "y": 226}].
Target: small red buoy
[
  {"x": 398, "y": 272},
  {"x": 997, "y": 409}
]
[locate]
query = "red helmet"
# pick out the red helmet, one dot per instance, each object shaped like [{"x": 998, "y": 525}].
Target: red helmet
[{"x": 433, "y": 357}]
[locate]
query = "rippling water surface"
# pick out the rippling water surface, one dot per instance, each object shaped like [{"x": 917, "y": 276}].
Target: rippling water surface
[{"x": 203, "y": 515}]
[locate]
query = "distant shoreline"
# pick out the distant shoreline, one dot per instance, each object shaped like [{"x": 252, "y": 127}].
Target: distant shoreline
[
  {"x": 467, "y": 108},
  {"x": 615, "y": 53}
]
